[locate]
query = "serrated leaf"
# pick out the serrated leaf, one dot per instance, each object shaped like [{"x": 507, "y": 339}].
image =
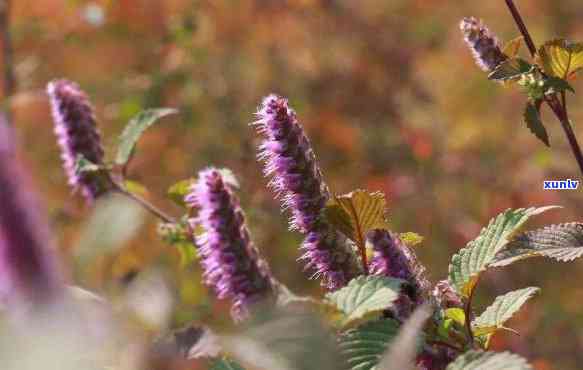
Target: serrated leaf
[
  {"x": 403, "y": 350},
  {"x": 365, "y": 296},
  {"x": 561, "y": 58},
  {"x": 480, "y": 360},
  {"x": 469, "y": 262},
  {"x": 179, "y": 190},
  {"x": 224, "y": 364},
  {"x": 134, "y": 130},
  {"x": 512, "y": 47},
  {"x": 411, "y": 239},
  {"x": 510, "y": 69},
  {"x": 356, "y": 213},
  {"x": 362, "y": 347},
  {"x": 502, "y": 309},
  {"x": 534, "y": 123},
  {"x": 563, "y": 242}
]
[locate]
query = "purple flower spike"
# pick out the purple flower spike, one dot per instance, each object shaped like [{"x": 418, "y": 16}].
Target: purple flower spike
[
  {"x": 297, "y": 181},
  {"x": 28, "y": 266},
  {"x": 392, "y": 258},
  {"x": 231, "y": 263},
  {"x": 482, "y": 43},
  {"x": 77, "y": 135}
]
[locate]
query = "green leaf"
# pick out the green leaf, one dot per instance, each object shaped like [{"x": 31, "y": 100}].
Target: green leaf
[
  {"x": 556, "y": 84},
  {"x": 356, "y": 213},
  {"x": 471, "y": 261},
  {"x": 510, "y": 69},
  {"x": 411, "y": 239},
  {"x": 502, "y": 309},
  {"x": 480, "y": 360},
  {"x": 561, "y": 58},
  {"x": 563, "y": 242},
  {"x": 134, "y": 130},
  {"x": 534, "y": 123},
  {"x": 178, "y": 191},
  {"x": 365, "y": 297},
  {"x": 457, "y": 315},
  {"x": 404, "y": 348},
  {"x": 362, "y": 347},
  {"x": 224, "y": 364}
]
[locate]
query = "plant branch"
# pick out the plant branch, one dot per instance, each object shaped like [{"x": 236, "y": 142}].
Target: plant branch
[
  {"x": 445, "y": 344},
  {"x": 9, "y": 81},
  {"x": 144, "y": 203},
  {"x": 558, "y": 107},
  {"x": 522, "y": 27},
  {"x": 468, "y": 315}
]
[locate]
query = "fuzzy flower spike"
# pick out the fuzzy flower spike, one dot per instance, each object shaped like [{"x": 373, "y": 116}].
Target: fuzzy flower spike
[
  {"x": 482, "y": 43},
  {"x": 392, "y": 258},
  {"x": 297, "y": 181},
  {"x": 231, "y": 263},
  {"x": 77, "y": 135}
]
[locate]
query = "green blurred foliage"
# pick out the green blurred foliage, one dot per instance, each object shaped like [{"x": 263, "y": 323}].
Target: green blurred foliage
[{"x": 387, "y": 91}]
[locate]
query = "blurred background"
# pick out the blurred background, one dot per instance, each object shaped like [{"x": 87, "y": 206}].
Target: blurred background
[{"x": 386, "y": 90}]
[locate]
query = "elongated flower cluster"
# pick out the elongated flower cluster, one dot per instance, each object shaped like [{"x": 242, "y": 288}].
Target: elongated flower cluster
[
  {"x": 28, "y": 267},
  {"x": 297, "y": 181},
  {"x": 231, "y": 263},
  {"x": 482, "y": 43},
  {"x": 392, "y": 258},
  {"x": 77, "y": 135}
]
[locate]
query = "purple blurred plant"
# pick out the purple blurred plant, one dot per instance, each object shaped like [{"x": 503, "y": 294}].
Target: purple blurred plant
[
  {"x": 482, "y": 43},
  {"x": 77, "y": 134},
  {"x": 28, "y": 266},
  {"x": 392, "y": 258},
  {"x": 297, "y": 181},
  {"x": 231, "y": 263}
]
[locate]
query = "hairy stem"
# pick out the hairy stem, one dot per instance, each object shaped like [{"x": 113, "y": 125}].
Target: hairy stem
[
  {"x": 560, "y": 109},
  {"x": 9, "y": 81}
]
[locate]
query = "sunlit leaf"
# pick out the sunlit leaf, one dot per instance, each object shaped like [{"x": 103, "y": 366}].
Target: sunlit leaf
[
  {"x": 562, "y": 242},
  {"x": 501, "y": 310},
  {"x": 510, "y": 69},
  {"x": 402, "y": 351},
  {"x": 561, "y": 58},
  {"x": 178, "y": 191},
  {"x": 411, "y": 239},
  {"x": 469, "y": 262},
  {"x": 356, "y": 213},
  {"x": 134, "y": 130},
  {"x": 365, "y": 297},
  {"x": 363, "y": 346},
  {"x": 534, "y": 123},
  {"x": 480, "y": 360},
  {"x": 456, "y": 314}
]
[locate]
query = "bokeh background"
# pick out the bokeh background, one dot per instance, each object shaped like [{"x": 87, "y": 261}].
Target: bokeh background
[{"x": 386, "y": 90}]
